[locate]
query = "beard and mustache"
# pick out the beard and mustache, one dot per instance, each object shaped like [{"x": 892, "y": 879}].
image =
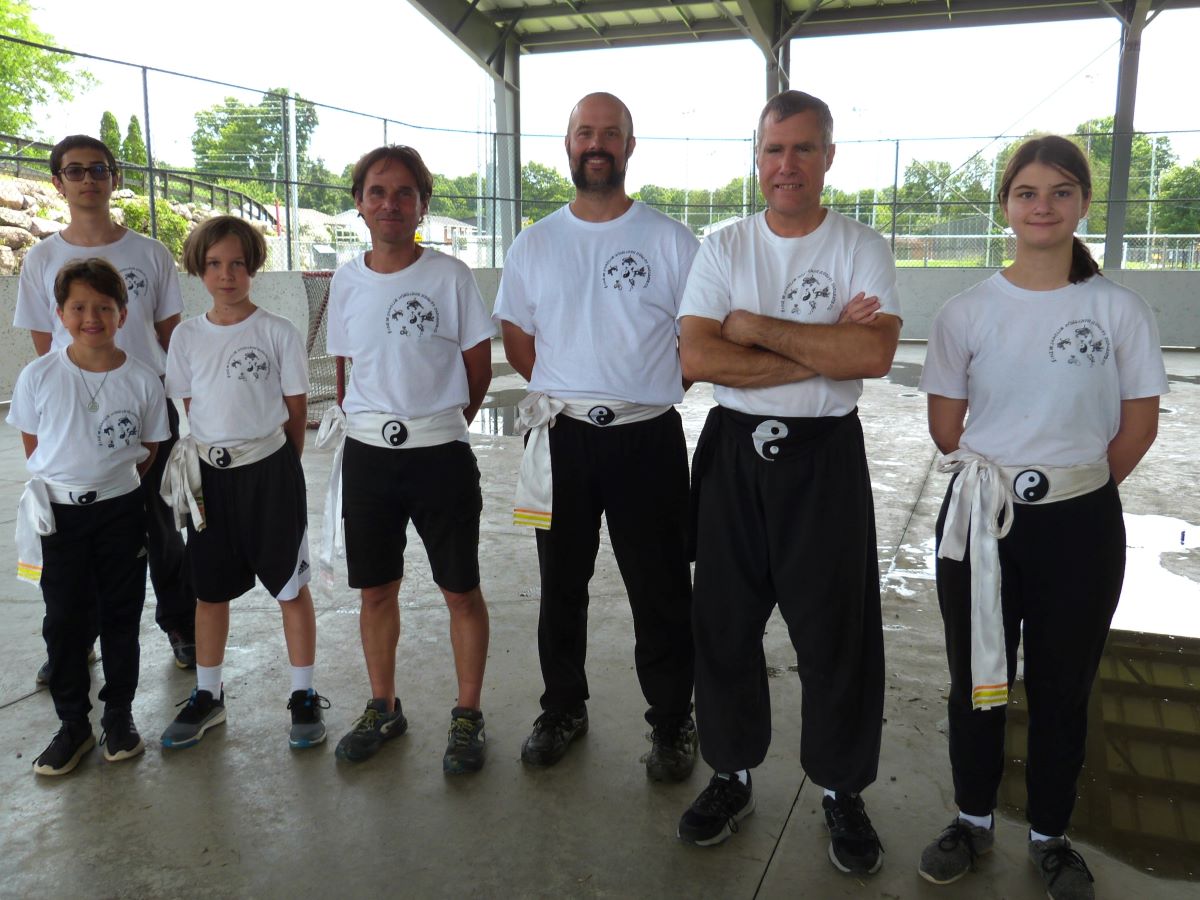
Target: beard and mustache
[{"x": 615, "y": 178}]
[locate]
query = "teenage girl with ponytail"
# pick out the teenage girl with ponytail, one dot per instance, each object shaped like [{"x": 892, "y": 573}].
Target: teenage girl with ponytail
[{"x": 1060, "y": 370}]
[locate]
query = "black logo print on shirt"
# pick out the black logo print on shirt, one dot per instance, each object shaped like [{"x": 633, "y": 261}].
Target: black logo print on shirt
[
  {"x": 248, "y": 364},
  {"x": 1081, "y": 342},
  {"x": 136, "y": 282},
  {"x": 119, "y": 429},
  {"x": 807, "y": 293},
  {"x": 626, "y": 271},
  {"x": 412, "y": 315}
]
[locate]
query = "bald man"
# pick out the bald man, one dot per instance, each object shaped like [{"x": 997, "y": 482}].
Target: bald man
[{"x": 587, "y": 306}]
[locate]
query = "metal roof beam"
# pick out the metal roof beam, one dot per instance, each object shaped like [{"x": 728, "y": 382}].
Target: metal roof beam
[
  {"x": 562, "y": 10},
  {"x": 474, "y": 32}
]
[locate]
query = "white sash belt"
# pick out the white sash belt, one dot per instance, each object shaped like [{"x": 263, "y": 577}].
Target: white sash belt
[
  {"x": 242, "y": 454},
  {"x": 378, "y": 430},
  {"x": 983, "y": 496},
  {"x": 182, "y": 488},
  {"x": 35, "y": 516},
  {"x": 535, "y": 486}
]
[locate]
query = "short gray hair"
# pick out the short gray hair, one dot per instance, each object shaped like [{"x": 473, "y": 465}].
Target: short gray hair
[{"x": 786, "y": 104}]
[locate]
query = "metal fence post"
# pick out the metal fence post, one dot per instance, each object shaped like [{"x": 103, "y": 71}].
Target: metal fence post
[
  {"x": 149, "y": 153},
  {"x": 895, "y": 195}
]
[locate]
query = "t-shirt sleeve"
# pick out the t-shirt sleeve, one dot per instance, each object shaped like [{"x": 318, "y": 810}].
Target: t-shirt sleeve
[
  {"x": 474, "y": 326},
  {"x": 707, "y": 293},
  {"x": 156, "y": 427},
  {"x": 168, "y": 296},
  {"x": 179, "y": 370},
  {"x": 874, "y": 273},
  {"x": 512, "y": 299},
  {"x": 1140, "y": 367},
  {"x": 22, "y": 411},
  {"x": 293, "y": 361},
  {"x": 946, "y": 355},
  {"x": 35, "y": 310},
  {"x": 337, "y": 342}
]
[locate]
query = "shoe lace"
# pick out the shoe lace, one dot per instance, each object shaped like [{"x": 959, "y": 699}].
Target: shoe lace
[
  {"x": 1063, "y": 858},
  {"x": 719, "y": 799},
  {"x": 462, "y": 731},
  {"x": 367, "y": 721},
  {"x": 958, "y": 833},
  {"x": 552, "y": 720},
  {"x": 851, "y": 822},
  {"x": 318, "y": 701}
]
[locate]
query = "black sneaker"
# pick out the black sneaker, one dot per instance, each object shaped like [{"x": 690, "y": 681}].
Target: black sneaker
[
  {"x": 308, "y": 724},
  {"x": 66, "y": 750},
  {"x": 714, "y": 815},
  {"x": 373, "y": 727},
  {"x": 465, "y": 742},
  {"x": 854, "y": 846},
  {"x": 952, "y": 854},
  {"x": 119, "y": 736},
  {"x": 672, "y": 753},
  {"x": 43, "y": 673},
  {"x": 1063, "y": 870},
  {"x": 184, "y": 648},
  {"x": 201, "y": 713},
  {"x": 552, "y": 734}
]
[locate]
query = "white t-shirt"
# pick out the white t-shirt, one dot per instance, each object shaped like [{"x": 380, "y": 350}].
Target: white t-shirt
[
  {"x": 1044, "y": 372},
  {"x": 600, "y": 298},
  {"x": 806, "y": 279},
  {"x": 151, "y": 280},
  {"x": 406, "y": 333},
  {"x": 236, "y": 376},
  {"x": 78, "y": 447}
]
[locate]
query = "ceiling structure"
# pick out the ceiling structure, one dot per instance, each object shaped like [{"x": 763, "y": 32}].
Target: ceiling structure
[{"x": 496, "y": 33}]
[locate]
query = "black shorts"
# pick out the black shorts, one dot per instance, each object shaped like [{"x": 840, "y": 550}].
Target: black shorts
[
  {"x": 436, "y": 487},
  {"x": 256, "y": 523}
]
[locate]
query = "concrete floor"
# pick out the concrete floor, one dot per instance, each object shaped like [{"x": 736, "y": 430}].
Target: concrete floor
[{"x": 242, "y": 815}]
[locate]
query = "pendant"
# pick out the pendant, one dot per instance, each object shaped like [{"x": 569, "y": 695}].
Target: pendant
[{"x": 93, "y": 407}]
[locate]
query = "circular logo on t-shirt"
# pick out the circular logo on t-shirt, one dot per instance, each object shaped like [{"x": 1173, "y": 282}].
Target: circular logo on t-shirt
[
  {"x": 136, "y": 282},
  {"x": 248, "y": 364},
  {"x": 119, "y": 429},
  {"x": 412, "y": 315},
  {"x": 1081, "y": 342},
  {"x": 626, "y": 271},
  {"x": 806, "y": 294}
]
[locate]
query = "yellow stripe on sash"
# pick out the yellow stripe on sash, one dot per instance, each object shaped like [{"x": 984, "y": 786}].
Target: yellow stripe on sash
[
  {"x": 29, "y": 572},
  {"x": 988, "y": 695},
  {"x": 531, "y": 517}
]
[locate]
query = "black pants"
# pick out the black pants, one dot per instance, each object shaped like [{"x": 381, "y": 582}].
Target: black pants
[
  {"x": 94, "y": 582},
  {"x": 636, "y": 475},
  {"x": 788, "y": 522},
  {"x": 176, "y": 607},
  {"x": 1061, "y": 568}
]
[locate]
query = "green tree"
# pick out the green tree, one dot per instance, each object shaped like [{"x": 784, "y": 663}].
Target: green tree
[
  {"x": 1149, "y": 160},
  {"x": 32, "y": 77},
  {"x": 133, "y": 153},
  {"x": 543, "y": 190},
  {"x": 172, "y": 227},
  {"x": 456, "y": 197},
  {"x": 321, "y": 189},
  {"x": 110, "y": 133},
  {"x": 239, "y": 139},
  {"x": 1179, "y": 209}
]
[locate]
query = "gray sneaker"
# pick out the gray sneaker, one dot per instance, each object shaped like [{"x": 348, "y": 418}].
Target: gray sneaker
[
  {"x": 308, "y": 725},
  {"x": 201, "y": 712},
  {"x": 1066, "y": 875},
  {"x": 466, "y": 742},
  {"x": 373, "y": 727},
  {"x": 952, "y": 855}
]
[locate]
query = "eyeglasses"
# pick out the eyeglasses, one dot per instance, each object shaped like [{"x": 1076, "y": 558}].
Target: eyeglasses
[{"x": 99, "y": 172}]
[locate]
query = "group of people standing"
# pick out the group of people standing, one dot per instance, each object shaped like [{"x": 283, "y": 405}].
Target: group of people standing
[{"x": 610, "y": 310}]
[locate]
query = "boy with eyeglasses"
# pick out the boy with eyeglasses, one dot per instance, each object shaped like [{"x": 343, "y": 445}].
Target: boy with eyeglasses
[{"x": 85, "y": 172}]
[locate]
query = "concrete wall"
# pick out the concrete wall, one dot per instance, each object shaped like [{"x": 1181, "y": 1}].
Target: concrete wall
[{"x": 1174, "y": 297}]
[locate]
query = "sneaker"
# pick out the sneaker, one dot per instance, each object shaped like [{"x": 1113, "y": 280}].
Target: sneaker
[
  {"x": 672, "y": 753},
  {"x": 119, "y": 736},
  {"x": 465, "y": 743},
  {"x": 184, "y": 648},
  {"x": 43, "y": 674},
  {"x": 201, "y": 713},
  {"x": 552, "y": 733},
  {"x": 373, "y": 727},
  {"x": 714, "y": 815},
  {"x": 1066, "y": 875},
  {"x": 66, "y": 750},
  {"x": 854, "y": 846},
  {"x": 952, "y": 855},
  {"x": 308, "y": 725}
]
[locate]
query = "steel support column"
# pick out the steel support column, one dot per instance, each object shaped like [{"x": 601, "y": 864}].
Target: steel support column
[
  {"x": 1134, "y": 21},
  {"x": 506, "y": 67}
]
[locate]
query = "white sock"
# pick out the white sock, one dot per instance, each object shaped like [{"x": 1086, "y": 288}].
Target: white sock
[
  {"x": 829, "y": 793},
  {"x": 977, "y": 821},
  {"x": 302, "y": 678},
  {"x": 743, "y": 775},
  {"x": 208, "y": 678},
  {"x": 1038, "y": 836}
]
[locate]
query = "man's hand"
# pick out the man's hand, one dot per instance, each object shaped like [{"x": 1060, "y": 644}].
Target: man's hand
[
  {"x": 861, "y": 310},
  {"x": 742, "y": 327}
]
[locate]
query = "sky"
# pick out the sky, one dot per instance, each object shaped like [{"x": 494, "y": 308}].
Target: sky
[{"x": 694, "y": 106}]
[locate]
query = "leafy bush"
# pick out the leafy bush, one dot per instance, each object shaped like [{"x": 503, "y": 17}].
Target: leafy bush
[{"x": 172, "y": 227}]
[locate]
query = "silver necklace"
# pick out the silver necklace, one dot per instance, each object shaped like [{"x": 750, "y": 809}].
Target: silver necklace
[{"x": 93, "y": 404}]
